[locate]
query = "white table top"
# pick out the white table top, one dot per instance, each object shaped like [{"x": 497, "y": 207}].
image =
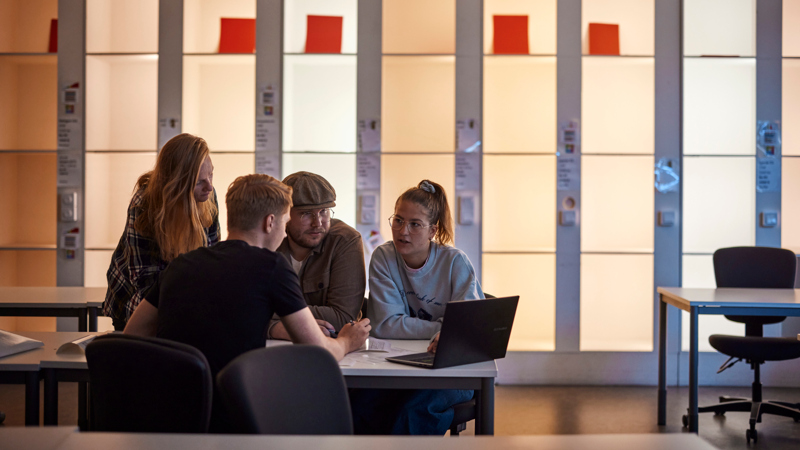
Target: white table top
[
  {"x": 124, "y": 441},
  {"x": 51, "y": 297},
  {"x": 46, "y": 356},
  {"x": 685, "y": 298},
  {"x": 374, "y": 364},
  {"x": 35, "y": 438}
]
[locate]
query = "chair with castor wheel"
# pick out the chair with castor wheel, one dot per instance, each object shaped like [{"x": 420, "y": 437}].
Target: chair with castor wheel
[{"x": 764, "y": 268}]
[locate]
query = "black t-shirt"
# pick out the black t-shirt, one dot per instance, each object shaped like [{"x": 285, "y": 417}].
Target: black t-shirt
[{"x": 219, "y": 299}]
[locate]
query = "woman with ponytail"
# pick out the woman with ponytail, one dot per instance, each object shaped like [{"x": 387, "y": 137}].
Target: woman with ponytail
[
  {"x": 411, "y": 279},
  {"x": 173, "y": 211}
]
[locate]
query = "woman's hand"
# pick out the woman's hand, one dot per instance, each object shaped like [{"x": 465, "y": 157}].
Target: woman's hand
[{"x": 434, "y": 343}]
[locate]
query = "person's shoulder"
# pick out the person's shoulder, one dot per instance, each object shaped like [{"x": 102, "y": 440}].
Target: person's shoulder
[
  {"x": 342, "y": 230},
  {"x": 449, "y": 253}
]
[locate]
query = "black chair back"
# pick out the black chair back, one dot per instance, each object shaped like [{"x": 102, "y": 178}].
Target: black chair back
[
  {"x": 148, "y": 385},
  {"x": 290, "y": 389},
  {"x": 755, "y": 267}
]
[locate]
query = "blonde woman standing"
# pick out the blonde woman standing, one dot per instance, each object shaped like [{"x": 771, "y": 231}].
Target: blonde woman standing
[{"x": 173, "y": 211}]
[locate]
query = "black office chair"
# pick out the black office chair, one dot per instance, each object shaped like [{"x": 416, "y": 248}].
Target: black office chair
[
  {"x": 148, "y": 385},
  {"x": 754, "y": 267},
  {"x": 291, "y": 389}
]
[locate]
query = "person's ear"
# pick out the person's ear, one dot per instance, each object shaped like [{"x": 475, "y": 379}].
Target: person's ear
[
  {"x": 269, "y": 223},
  {"x": 432, "y": 232}
]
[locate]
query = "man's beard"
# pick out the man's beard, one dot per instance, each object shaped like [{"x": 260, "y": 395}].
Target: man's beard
[{"x": 305, "y": 241}]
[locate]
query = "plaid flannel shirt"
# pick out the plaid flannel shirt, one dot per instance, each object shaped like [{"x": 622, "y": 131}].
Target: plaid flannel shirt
[{"x": 136, "y": 264}]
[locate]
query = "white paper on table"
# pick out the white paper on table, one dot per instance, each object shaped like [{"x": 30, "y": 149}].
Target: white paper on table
[
  {"x": 76, "y": 347},
  {"x": 11, "y": 343},
  {"x": 375, "y": 345}
]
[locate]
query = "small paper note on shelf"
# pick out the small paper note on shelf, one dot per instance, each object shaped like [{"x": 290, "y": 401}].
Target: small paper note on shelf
[
  {"x": 237, "y": 35},
  {"x": 324, "y": 34},
  {"x": 510, "y": 35},
  {"x": 11, "y": 343},
  {"x": 76, "y": 347}
]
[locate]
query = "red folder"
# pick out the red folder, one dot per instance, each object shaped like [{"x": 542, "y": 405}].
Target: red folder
[
  {"x": 237, "y": 35},
  {"x": 603, "y": 39},
  {"x": 510, "y": 35},
  {"x": 53, "y": 47},
  {"x": 324, "y": 34}
]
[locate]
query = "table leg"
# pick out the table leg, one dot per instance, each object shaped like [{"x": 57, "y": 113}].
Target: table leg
[
  {"x": 32, "y": 399},
  {"x": 484, "y": 422},
  {"x": 83, "y": 320},
  {"x": 50, "y": 397},
  {"x": 83, "y": 416},
  {"x": 693, "y": 361},
  {"x": 92, "y": 319},
  {"x": 662, "y": 361}
]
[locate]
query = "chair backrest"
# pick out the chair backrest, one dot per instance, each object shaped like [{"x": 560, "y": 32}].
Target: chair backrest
[
  {"x": 290, "y": 389},
  {"x": 148, "y": 385},
  {"x": 755, "y": 267}
]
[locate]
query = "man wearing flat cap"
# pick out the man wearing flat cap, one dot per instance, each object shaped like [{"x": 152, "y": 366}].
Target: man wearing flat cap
[{"x": 326, "y": 253}]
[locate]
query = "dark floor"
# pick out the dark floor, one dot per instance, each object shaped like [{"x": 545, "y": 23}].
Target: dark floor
[{"x": 563, "y": 410}]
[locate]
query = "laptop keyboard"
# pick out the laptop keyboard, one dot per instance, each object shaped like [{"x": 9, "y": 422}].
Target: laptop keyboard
[{"x": 422, "y": 359}]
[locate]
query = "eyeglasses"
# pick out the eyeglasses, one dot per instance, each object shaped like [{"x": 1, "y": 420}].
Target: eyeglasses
[
  {"x": 324, "y": 216},
  {"x": 413, "y": 227}
]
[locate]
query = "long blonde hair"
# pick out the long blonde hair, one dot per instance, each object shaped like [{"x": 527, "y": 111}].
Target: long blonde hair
[{"x": 170, "y": 214}]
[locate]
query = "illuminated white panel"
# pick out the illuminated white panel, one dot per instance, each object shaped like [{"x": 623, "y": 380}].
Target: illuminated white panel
[
  {"x": 110, "y": 184},
  {"x": 122, "y": 104},
  {"x": 29, "y": 92},
  {"x": 719, "y": 106},
  {"x": 541, "y": 23},
  {"x": 719, "y": 27},
  {"x": 419, "y": 26},
  {"x": 295, "y": 15},
  {"x": 201, "y": 21},
  {"x": 636, "y": 20},
  {"x": 790, "y": 208},
  {"x": 617, "y": 204},
  {"x": 618, "y": 105},
  {"x": 791, "y": 33},
  {"x": 718, "y": 203},
  {"x": 25, "y": 25},
  {"x": 790, "y": 120},
  {"x": 122, "y": 26},
  {"x": 400, "y": 172},
  {"x": 96, "y": 263},
  {"x": 228, "y": 167},
  {"x": 339, "y": 170},
  {"x": 418, "y": 106},
  {"x": 519, "y": 203},
  {"x": 533, "y": 278},
  {"x": 616, "y": 316},
  {"x": 314, "y": 87},
  {"x": 219, "y": 100},
  {"x": 698, "y": 272},
  {"x": 519, "y": 104},
  {"x": 28, "y": 200}
]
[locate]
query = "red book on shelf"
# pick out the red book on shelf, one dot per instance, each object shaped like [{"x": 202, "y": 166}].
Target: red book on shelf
[
  {"x": 603, "y": 39},
  {"x": 237, "y": 35},
  {"x": 510, "y": 35},
  {"x": 324, "y": 34},
  {"x": 53, "y": 47}
]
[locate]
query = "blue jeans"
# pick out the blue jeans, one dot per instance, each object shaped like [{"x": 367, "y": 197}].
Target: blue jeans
[{"x": 403, "y": 411}]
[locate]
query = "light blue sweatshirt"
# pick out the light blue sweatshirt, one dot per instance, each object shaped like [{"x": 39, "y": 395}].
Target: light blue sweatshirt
[{"x": 408, "y": 304}]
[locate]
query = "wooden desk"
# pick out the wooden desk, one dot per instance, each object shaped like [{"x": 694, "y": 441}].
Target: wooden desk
[
  {"x": 34, "y": 438},
  {"x": 80, "y": 302},
  {"x": 135, "y": 441},
  {"x": 744, "y": 302},
  {"x": 26, "y": 367}
]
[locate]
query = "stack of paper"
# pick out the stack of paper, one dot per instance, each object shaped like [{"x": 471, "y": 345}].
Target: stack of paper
[{"x": 11, "y": 343}]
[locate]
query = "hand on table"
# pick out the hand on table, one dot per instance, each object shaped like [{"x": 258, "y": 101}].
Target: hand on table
[{"x": 434, "y": 343}]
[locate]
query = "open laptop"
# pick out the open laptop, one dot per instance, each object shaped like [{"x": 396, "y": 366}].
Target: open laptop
[{"x": 473, "y": 331}]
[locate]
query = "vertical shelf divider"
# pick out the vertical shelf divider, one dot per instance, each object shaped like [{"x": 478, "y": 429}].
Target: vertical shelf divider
[
  {"x": 170, "y": 70},
  {"x": 667, "y": 255},
  {"x": 568, "y": 238},
  {"x": 269, "y": 78},
  {"x": 368, "y": 113},
  {"x": 469, "y": 113}
]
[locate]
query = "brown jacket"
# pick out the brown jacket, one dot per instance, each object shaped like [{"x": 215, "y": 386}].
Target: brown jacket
[{"x": 333, "y": 278}]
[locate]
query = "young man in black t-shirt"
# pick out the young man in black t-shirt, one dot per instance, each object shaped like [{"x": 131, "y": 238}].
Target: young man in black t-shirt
[{"x": 220, "y": 299}]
